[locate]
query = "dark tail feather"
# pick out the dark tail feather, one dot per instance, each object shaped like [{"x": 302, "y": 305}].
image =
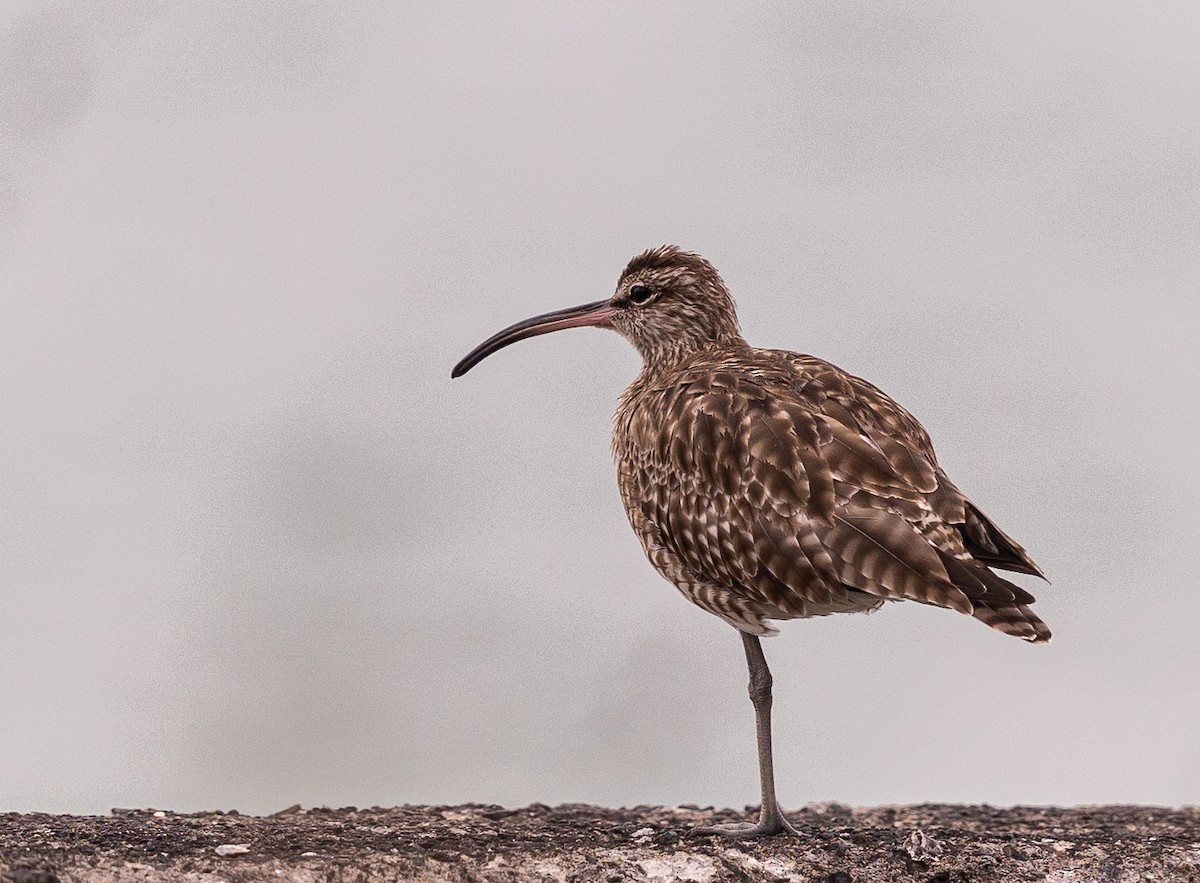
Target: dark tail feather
[
  {"x": 998, "y": 603},
  {"x": 990, "y": 545},
  {"x": 1016, "y": 620}
]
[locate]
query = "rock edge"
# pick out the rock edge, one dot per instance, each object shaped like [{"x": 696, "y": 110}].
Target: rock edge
[{"x": 939, "y": 843}]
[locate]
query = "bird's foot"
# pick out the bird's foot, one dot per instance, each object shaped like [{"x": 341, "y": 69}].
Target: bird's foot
[{"x": 764, "y": 827}]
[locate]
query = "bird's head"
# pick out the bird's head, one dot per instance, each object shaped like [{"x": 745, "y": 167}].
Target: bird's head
[{"x": 668, "y": 302}]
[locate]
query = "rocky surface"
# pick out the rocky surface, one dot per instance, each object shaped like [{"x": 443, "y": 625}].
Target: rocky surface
[{"x": 838, "y": 844}]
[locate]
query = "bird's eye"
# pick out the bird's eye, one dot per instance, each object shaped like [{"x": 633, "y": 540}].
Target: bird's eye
[{"x": 639, "y": 294}]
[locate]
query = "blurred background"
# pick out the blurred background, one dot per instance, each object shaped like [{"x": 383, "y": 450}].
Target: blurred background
[{"x": 256, "y": 548}]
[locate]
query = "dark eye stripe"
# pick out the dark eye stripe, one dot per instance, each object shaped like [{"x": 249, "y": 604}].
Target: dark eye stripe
[{"x": 639, "y": 294}]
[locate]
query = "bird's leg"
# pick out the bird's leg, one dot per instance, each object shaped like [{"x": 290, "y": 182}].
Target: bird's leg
[{"x": 770, "y": 819}]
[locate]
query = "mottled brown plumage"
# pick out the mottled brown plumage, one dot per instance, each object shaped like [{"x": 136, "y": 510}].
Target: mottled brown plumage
[{"x": 767, "y": 485}]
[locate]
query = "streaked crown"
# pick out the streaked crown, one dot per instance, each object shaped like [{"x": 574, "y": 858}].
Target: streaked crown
[{"x": 670, "y": 302}]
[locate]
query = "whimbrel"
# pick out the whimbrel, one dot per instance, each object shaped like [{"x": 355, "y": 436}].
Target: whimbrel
[{"x": 767, "y": 485}]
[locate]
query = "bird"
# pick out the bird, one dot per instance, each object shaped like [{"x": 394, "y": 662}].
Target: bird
[{"x": 767, "y": 485}]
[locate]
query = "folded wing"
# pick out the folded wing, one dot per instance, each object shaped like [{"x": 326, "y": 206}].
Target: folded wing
[{"x": 804, "y": 490}]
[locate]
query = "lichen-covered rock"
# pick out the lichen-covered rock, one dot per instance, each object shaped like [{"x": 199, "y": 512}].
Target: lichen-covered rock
[{"x": 954, "y": 844}]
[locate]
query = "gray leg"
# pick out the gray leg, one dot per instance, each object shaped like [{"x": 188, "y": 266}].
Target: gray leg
[{"x": 770, "y": 819}]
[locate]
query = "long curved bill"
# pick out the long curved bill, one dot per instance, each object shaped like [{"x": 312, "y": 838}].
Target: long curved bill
[{"x": 596, "y": 313}]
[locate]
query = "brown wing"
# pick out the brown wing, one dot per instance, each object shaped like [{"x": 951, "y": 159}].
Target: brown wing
[
  {"x": 801, "y": 495},
  {"x": 965, "y": 541}
]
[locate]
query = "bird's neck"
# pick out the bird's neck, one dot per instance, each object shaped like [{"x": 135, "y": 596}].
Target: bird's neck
[{"x": 667, "y": 355}]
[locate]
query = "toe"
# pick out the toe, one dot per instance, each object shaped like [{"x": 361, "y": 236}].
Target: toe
[{"x": 747, "y": 830}]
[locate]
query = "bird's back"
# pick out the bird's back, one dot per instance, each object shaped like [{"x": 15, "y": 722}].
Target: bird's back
[{"x": 771, "y": 485}]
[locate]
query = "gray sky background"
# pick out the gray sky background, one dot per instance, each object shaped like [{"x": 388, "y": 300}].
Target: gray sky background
[{"x": 257, "y": 549}]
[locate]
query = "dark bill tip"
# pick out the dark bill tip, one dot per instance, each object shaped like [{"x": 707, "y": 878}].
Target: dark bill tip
[{"x": 596, "y": 313}]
